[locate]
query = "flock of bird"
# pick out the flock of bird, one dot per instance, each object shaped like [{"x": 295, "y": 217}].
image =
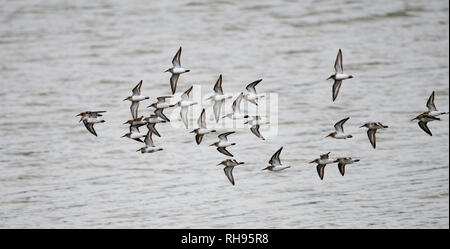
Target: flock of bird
[{"x": 90, "y": 118}]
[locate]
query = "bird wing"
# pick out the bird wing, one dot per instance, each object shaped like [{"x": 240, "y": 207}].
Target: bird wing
[
  {"x": 173, "y": 82},
  {"x": 185, "y": 95},
  {"x": 223, "y": 136},
  {"x": 425, "y": 128},
  {"x": 237, "y": 103},
  {"x": 229, "y": 173},
  {"x": 255, "y": 130},
  {"x": 202, "y": 120},
  {"x": 151, "y": 127},
  {"x": 159, "y": 113},
  {"x": 134, "y": 109},
  {"x": 137, "y": 89},
  {"x": 430, "y": 103},
  {"x": 275, "y": 160},
  {"x": 148, "y": 139},
  {"x": 372, "y": 138},
  {"x": 89, "y": 127},
  {"x": 176, "y": 59},
  {"x": 321, "y": 170},
  {"x": 217, "y": 108},
  {"x": 338, "y": 67},
  {"x": 224, "y": 151},
  {"x": 251, "y": 87},
  {"x": 218, "y": 86},
  {"x": 336, "y": 86},
  {"x": 339, "y": 126}
]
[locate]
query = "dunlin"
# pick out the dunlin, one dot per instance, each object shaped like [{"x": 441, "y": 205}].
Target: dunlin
[{"x": 339, "y": 75}]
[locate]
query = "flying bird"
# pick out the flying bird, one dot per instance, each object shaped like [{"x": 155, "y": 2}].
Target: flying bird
[
  {"x": 135, "y": 98},
  {"x": 251, "y": 94},
  {"x": 223, "y": 143},
  {"x": 90, "y": 118},
  {"x": 339, "y": 130},
  {"x": 372, "y": 129},
  {"x": 219, "y": 98},
  {"x": 342, "y": 161},
  {"x": 200, "y": 132},
  {"x": 275, "y": 162},
  {"x": 176, "y": 70},
  {"x": 229, "y": 166},
  {"x": 236, "y": 114},
  {"x": 339, "y": 75},
  {"x": 149, "y": 146},
  {"x": 321, "y": 163},
  {"x": 185, "y": 103}
]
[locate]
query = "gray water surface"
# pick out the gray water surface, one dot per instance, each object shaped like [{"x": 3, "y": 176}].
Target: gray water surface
[{"x": 59, "y": 58}]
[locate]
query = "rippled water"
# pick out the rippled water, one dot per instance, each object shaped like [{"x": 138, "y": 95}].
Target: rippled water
[{"x": 59, "y": 58}]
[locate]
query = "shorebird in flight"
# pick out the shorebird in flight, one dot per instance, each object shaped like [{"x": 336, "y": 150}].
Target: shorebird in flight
[
  {"x": 149, "y": 146},
  {"x": 342, "y": 161},
  {"x": 134, "y": 134},
  {"x": 275, "y": 162},
  {"x": 223, "y": 143},
  {"x": 321, "y": 163},
  {"x": 219, "y": 98},
  {"x": 339, "y": 133},
  {"x": 90, "y": 118},
  {"x": 135, "y": 98},
  {"x": 428, "y": 116},
  {"x": 185, "y": 103},
  {"x": 236, "y": 114},
  {"x": 176, "y": 70},
  {"x": 255, "y": 123},
  {"x": 251, "y": 95},
  {"x": 372, "y": 129},
  {"x": 229, "y": 166},
  {"x": 339, "y": 75},
  {"x": 200, "y": 132}
]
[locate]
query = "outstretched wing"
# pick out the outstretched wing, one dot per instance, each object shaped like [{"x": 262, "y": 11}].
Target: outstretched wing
[
  {"x": 251, "y": 87},
  {"x": 425, "y": 128},
  {"x": 173, "y": 82},
  {"x": 321, "y": 170},
  {"x": 223, "y": 136},
  {"x": 336, "y": 86},
  {"x": 339, "y": 126},
  {"x": 275, "y": 160},
  {"x": 217, "y": 108},
  {"x": 89, "y": 127},
  {"x": 325, "y": 156},
  {"x": 185, "y": 95},
  {"x": 202, "y": 120},
  {"x": 338, "y": 67},
  {"x": 176, "y": 59},
  {"x": 224, "y": 151},
  {"x": 148, "y": 139},
  {"x": 229, "y": 173},
  {"x": 237, "y": 103},
  {"x": 134, "y": 109},
  {"x": 430, "y": 103},
  {"x": 218, "y": 86},
  {"x": 372, "y": 138},
  {"x": 137, "y": 89},
  {"x": 255, "y": 130}
]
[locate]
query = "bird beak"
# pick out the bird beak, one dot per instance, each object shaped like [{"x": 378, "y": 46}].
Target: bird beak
[
  {"x": 361, "y": 126},
  {"x": 124, "y": 135},
  {"x": 138, "y": 150},
  {"x": 168, "y": 70},
  {"x": 241, "y": 163}
]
